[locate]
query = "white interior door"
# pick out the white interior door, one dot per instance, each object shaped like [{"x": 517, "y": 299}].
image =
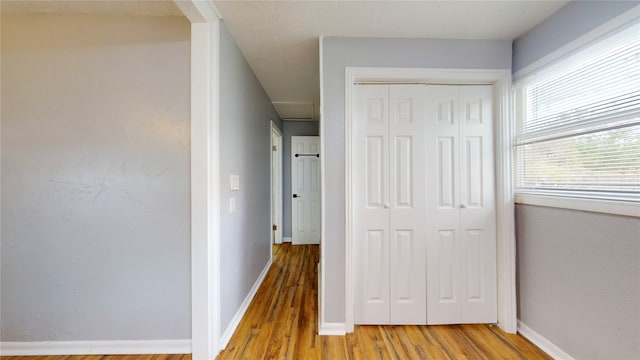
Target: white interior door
[
  {"x": 305, "y": 189},
  {"x": 461, "y": 253},
  {"x": 389, "y": 204}
]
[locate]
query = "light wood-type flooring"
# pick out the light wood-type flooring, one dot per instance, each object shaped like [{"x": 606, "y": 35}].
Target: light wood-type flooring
[{"x": 281, "y": 323}]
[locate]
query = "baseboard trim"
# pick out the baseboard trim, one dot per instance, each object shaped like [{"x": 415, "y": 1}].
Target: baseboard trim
[
  {"x": 102, "y": 347},
  {"x": 543, "y": 343},
  {"x": 335, "y": 329},
  {"x": 233, "y": 325},
  {"x": 287, "y": 239}
]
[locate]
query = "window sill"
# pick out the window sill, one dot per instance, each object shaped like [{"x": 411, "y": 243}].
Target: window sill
[{"x": 592, "y": 205}]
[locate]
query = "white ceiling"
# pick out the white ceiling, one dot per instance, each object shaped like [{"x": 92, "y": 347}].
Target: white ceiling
[
  {"x": 280, "y": 38},
  {"x": 105, "y": 7}
]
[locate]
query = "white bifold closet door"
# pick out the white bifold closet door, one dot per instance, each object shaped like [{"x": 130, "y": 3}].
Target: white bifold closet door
[
  {"x": 461, "y": 222},
  {"x": 423, "y": 205},
  {"x": 389, "y": 169}
]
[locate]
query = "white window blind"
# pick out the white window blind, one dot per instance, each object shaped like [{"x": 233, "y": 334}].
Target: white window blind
[{"x": 578, "y": 131}]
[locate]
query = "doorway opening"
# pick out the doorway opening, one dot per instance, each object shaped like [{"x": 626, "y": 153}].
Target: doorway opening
[
  {"x": 276, "y": 185},
  {"x": 305, "y": 188}
]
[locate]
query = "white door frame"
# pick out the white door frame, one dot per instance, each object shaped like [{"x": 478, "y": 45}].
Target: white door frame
[
  {"x": 279, "y": 193},
  {"x": 205, "y": 176},
  {"x": 503, "y": 131}
]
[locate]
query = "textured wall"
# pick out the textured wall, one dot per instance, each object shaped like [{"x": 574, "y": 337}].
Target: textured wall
[
  {"x": 578, "y": 280},
  {"x": 577, "y": 271},
  {"x": 95, "y": 178},
  {"x": 245, "y": 150},
  {"x": 561, "y": 28},
  {"x": 342, "y": 52},
  {"x": 289, "y": 129}
]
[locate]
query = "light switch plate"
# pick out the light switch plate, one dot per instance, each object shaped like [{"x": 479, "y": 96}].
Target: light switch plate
[
  {"x": 234, "y": 182},
  {"x": 232, "y": 205}
]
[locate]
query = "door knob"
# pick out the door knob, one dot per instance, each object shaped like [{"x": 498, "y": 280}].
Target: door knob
[
  {"x": 295, "y": 196},
  {"x": 386, "y": 206},
  {"x": 463, "y": 206}
]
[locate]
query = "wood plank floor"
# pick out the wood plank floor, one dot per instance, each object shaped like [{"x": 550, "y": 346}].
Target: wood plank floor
[{"x": 281, "y": 323}]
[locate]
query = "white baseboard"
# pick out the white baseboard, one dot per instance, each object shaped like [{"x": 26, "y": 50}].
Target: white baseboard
[
  {"x": 286, "y": 239},
  {"x": 228, "y": 333},
  {"x": 337, "y": 329},
  {"x": 540, "y": 341},
  {"x": 108, "y": 347}
]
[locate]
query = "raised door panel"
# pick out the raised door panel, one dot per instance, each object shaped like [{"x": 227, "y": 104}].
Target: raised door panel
[
  {"x": 445, "y": 172},
  {"x": 374, "y": 307},
  {"x": 403, "y": 175},
  {"x": 370, "y": 166},
  {"x": 447, "y": 263},
  {"x": 375, "y": 179},
  {"x": 443, "y": 306},
  {"x": 472, "y": 194}
]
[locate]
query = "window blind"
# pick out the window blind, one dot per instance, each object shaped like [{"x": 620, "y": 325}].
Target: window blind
[{"x": 578, "y": 132}]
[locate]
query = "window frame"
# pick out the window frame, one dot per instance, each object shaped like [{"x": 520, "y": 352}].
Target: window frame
[{"x": 584, "y": 200}]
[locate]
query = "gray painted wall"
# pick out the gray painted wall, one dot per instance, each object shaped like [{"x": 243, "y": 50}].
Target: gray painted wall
[
  {"x": 289, "y": 129},
  {"x": 578, "y": 272},
  {"x": 567, "y": 24},
  {"x": 578, "y": 280},
  {"x": 342, "y": 52},
  {"x": 245, "y": 145},
  {"x": 95, "y": 178}
]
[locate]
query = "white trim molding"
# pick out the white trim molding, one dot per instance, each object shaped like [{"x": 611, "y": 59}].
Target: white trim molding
[
  {"x": 115, "y": 347},
  {"x": 286, "y": 239},
  {"x": 505, "y": 208},
  {"x": 503, "y": 132},
  {"x": 332, "y": 329},
  {"x": 235, "y": 321},
  {"x": 323, "y": 230},
  {"x": 199, "y": 11},
  {"x": 625, "y": 208},
  {"x": 279, "y": 185},
  {"x": 543, "y": 343},
  {"x": 205, "y": 179}
]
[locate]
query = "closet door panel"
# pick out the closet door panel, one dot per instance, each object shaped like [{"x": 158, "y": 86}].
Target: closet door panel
[
  {"x": 407, "y": 271},
  {"x": 442, "y": 213},
  {"x": 371, "y": 189},
  {"x": 461, "y": 251},
  {"x": 477, "y": 213}
]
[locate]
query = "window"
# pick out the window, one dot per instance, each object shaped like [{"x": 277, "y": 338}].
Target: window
[{"x": 578, "y": 131}]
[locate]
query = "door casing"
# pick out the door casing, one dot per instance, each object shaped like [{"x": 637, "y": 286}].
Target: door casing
[{"x": 276, "y": 183}]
